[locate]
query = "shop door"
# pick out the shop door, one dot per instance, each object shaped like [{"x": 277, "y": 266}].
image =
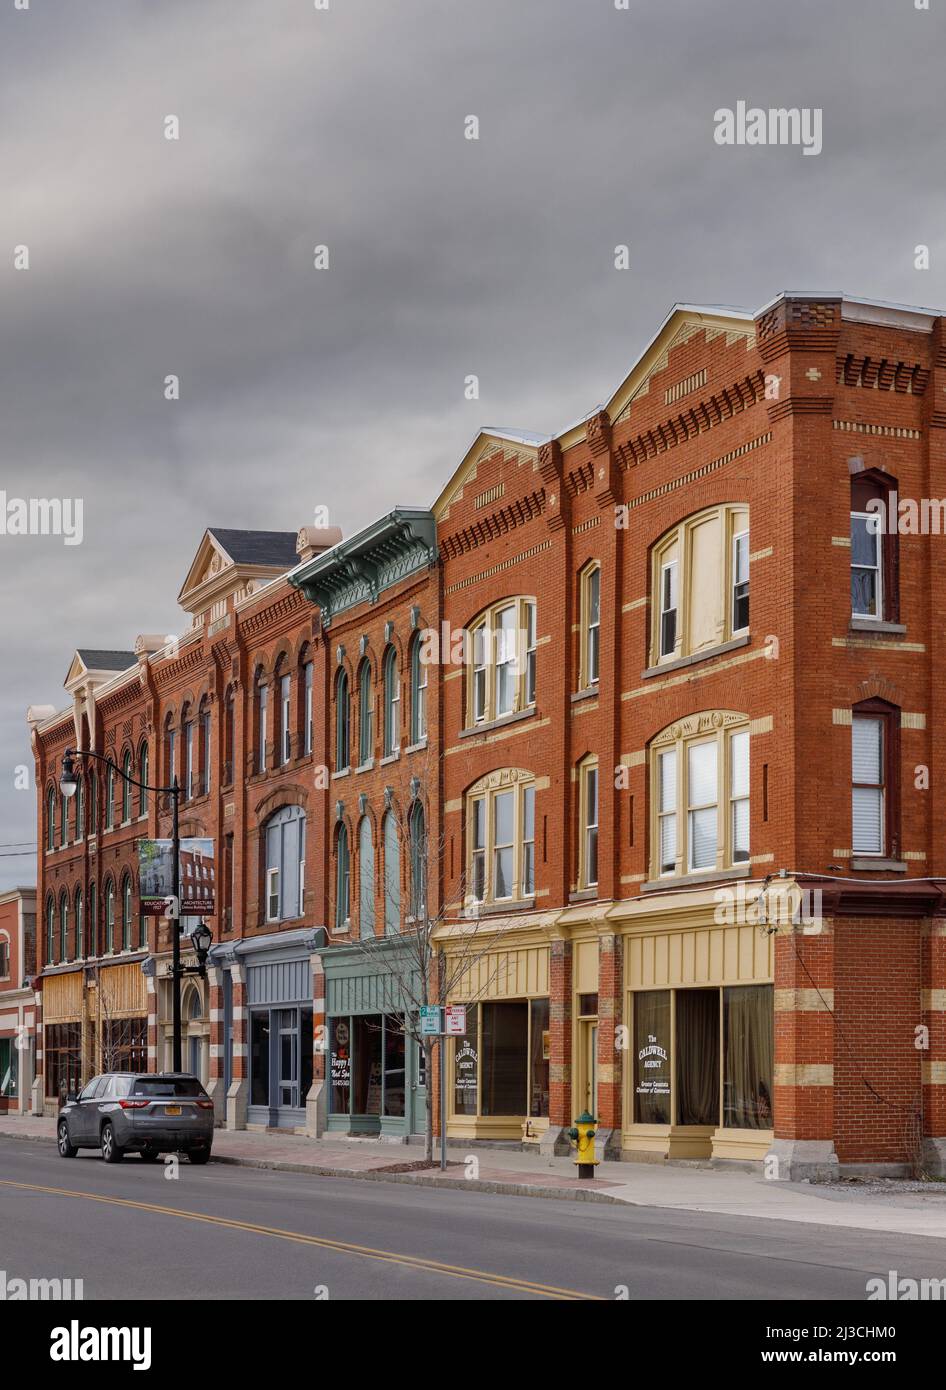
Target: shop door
[
  {"x": 589, "y": 1066},
  {"x": 287, "y": 1059},
  {"x": 418, "y": 1088}
]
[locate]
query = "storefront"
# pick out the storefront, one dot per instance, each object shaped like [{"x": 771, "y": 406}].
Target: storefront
[
  {"x": 499, "y": 1070},
  {"x": 377, "y": 1083},
  {"x": 95, "y": 1019},
  {"x": 699, "y": 1069}
]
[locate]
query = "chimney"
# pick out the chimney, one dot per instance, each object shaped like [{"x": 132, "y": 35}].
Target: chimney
[{"x": 313, "y": 540}]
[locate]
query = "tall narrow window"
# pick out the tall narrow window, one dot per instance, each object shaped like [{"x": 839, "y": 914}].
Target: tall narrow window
[
  {"x": 702, "y": 805},
  {"x": 50, "y": 931},
  {"x": 365, "y": 878},
  {"x": 528, "y": 841},
  {"x": 480, "y": 637},
  {"x": 262, "y": 717},
  {"x": 392, "y": 875},
  {"x": 92, "y": 928},
  {"x": 589, "y": 826},
  {"x": 418, "y": 845},
  {"x": 504, "y": 691},
  {"x": 170, "y": 753},
  {"x": 110, "y": 916},
  {"x": 63, "y": 819},
  {"x": 110, "y": 797},
  {"x": 590, "y": 625},
  {"x": 189, "y": 758},
  {"x": 501, "y": 837},
  {"x": 63, "y": 927},
  {"x": 866, "y": 571},
  {"x": 51, "y": 818},
  {"x": 342, "y": 723},
  {"x": 418, "y": 692},
  {"x": 78, "y": 927},
  {"x": 739, "y": 796},
  {"x": 667, "y": 810},
  {"x": 229, "y": 738},
  {"x": 307, "y": 714},
  {"x": 875, "y": 548},
  {"x": 668, "y": 608},
  {"x": 868, "y": 791},
  {"x": 143, "y": 771},
  {"x": 531, "y": 648},
  {"x": 740, "y": 581},
  {"x": 206, "y": 750},
  {"x": 342, "y": 879},
  {"x": 126, "y": 913},
  {"x": 285, "y": 718},
  {"x": 365, "y": 714},
  {"x": 285, "y": 857},
  {"x": 478, "y": 860},
  {"x": 93, "y": 803},
  {"x": 126, "y": 787},
  {"x": 392, "y": 703},
  {"x": 504, "y": 821},
  {"x": 80, "y": 808}
]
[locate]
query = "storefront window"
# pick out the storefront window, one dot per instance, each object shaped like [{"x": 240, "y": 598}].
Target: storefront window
[
  {"x": 63, "y": 1058},
  {"x": 259, "y": 1058},
  {"x": 466, "y": 1068},
  {"x": 697, "y": 1057},
  {"x": 748, "y": 1050},
  {"x": 394, "y": 1073},
  {"x": 540, "y": 1048},
  {"x": 652, "y": 1057},
  {"x": 366, "y": 1064},
  {"x": 8, "y": 1060},
  {"x": 125, "y": 1044},
  {"x": 305, "y": 1047},
  {"x": 505, "y": 1058},
  {"x": 340, "y": 1066}
]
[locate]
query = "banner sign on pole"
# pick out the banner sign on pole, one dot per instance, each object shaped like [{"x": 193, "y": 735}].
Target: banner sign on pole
[{"x": 156, "y": 874}]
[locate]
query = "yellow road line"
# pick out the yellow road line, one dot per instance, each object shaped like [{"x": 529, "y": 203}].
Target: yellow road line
[{"x": 343, "y": 1247}]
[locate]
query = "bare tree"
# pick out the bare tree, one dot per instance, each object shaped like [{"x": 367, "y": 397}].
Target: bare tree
[{"x": 418, "y": 974}]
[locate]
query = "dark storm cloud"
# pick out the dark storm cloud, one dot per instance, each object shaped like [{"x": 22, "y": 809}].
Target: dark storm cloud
[{"x": 448, "y": 257}]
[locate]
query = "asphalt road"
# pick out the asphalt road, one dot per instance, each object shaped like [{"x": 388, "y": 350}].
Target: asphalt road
[{"x": 230, "y": 1233}]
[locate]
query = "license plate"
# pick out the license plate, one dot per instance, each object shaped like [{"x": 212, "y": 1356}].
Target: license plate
[{"x": 172, "y": 1110}]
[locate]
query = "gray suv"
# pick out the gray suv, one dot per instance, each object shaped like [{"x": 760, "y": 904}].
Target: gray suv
[{"x": 130, "y": 1112}]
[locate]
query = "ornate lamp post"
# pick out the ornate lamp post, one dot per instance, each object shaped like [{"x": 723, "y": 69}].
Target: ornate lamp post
[{"x": 68, "y": 783}]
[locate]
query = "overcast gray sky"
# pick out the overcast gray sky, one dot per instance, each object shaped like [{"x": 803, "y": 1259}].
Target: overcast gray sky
[{"x": 448, "y": 257}]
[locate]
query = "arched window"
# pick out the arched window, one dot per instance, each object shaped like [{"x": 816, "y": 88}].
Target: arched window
[
  {"x": 365, "y": 878},
  {"x": 284, "y": 744},
  {"x": 190, "y": 753},
  {"x": 50, "y": 931},
  {"x": 308, "y": 677},
  {"x": 51, "y": 818},
  {"x": 699, "y": 779},
  {"x": 392, "y": 875},
  {"x": 285, "y": 864},
  {"x": 63, "y": 819},
  {"x": 80, "y": 807},
  {"x": 365, "y": 714},
  {"x": 110, "y": 797},
  {"x": 262, "y": 720},
  {"x": 92, "y": 929},
  {"x": 342, "y": 722},
  {"x": 342, "y": 879},
  {"x": 126, "y": 787},
  {"x": 392, "y": 703},
  {"x": 501, "y": 837},
  {"x": 93, "y": 803},
  {"x": 64, "y": 927},
  {"x": 206, "y": 748},
  {"x": 78, "y": 929},
  {"x": 700, "y": 584},
  {"x": 418, "y": 850},
  {"x": 126, "y": 913},
  {"x": 109, "y": 915},
  {"x": 502, "y": 656},
  {"x": 229, "y": 730},
  {"x": 875, "y": 549},
  {"x": 418, "y": 692},
  {"x": 170, "y": 751},
  {"x": 143, "y": 770}
]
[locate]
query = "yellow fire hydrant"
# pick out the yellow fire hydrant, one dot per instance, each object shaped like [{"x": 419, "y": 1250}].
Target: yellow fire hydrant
[{"x": 582, "y": 1135}]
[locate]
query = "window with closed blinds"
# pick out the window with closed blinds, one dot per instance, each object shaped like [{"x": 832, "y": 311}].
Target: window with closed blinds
[
  {"x": 667, "y": 810},
  {"x": 739, "y": 795},
  {"x": 867, "y": 769},
  {"x": 703, "y": 806}
]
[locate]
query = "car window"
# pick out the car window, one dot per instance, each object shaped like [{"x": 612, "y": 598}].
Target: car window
[
  {"x": 102, "y": 1087},
  {"x": 168, "y": 1086},
  {"x": 88, "y": 1091}
]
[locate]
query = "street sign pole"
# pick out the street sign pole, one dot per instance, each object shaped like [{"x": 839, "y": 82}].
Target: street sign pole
[{"x": 443, "y": 1102}]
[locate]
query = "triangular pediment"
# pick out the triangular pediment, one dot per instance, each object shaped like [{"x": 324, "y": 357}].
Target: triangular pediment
[
  {"x": 524, "y": 448},
  {"x": 209, "y": 562}
]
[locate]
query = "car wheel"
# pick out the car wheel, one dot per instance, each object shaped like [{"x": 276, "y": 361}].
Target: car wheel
[
  {"x": 149, "y": 1155},
  {"x": 110, "y": 1150},
  {"x": 199, "y": 1156},
  {"x": 66, "y": 1149}
]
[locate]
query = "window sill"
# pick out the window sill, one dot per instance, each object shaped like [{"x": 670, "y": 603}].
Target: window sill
[
  {"x": 366, "y": 766},
  {"x": 887, "y": 866},
  {"x": 390, "y": 758},
  {"x": 500, "y": 723},
  {"x": 876, "y": 625},
  {"x": 707, "y": 655},
  {"x": 345, "y": 772},
  {"x": 587, "y": 692},
  {"x": 584, "y": 895},
  {"x": 417, "y": 747},
  {"x": 706, "y": 876},
  {"x": 474, "y": 910}
]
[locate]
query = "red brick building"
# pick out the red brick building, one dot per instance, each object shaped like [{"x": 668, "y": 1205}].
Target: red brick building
[
  {"x": 673, "y": 677},
  {"x": 17, "y": 999}
]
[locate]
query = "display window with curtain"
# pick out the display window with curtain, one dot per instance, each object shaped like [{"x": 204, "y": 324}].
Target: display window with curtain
[
  {"x": 702, "y": 1066},
  {"x": 500, "y": 1066}
]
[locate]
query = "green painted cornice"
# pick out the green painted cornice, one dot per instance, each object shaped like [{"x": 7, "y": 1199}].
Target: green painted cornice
[{"x": 360, "y": 569}]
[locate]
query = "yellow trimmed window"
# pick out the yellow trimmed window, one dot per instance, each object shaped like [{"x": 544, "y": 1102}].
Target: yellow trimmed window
[
  {"x": 501, "y": 837},
  {"x": 590, "y": 609},
  {"x": 588, "y": 818},
  {"x": 699, "y": 780},
  {"x": 700, "y": 584},
  {"x": 501, "y": 669}
]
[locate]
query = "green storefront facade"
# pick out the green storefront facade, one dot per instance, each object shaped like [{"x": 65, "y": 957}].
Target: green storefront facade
[{"x": 375, "y": 1074}]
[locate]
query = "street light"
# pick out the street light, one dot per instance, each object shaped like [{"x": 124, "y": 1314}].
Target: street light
[
  {"x": 201, "y": 938},
  {"x": 68, "y": 782}
]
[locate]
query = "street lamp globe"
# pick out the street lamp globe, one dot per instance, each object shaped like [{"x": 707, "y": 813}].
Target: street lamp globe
[
  {"x": 201, "y": 938},
  {"x": 68, "y": 781}
]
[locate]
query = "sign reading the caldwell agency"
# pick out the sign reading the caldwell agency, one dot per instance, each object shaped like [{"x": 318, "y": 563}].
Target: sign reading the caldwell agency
[
  {"x": 156, "y": 865},
  {"x": 653, "y": 1069}
]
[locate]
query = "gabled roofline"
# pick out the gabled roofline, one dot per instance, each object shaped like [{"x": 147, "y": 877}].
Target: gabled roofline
[{"x": 466, "y": 469}]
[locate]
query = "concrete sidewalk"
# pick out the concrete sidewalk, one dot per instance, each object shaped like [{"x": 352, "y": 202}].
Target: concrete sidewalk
[{"x": 909, "y": 1209}]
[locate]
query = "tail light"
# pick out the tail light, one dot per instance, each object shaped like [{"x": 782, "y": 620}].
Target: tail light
[
  {"x": 133, "y": 1104},
  {"x": 206, "y": 1104}
]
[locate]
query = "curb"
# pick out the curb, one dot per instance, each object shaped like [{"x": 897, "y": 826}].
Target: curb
[{"x": 492, "y": 1185}]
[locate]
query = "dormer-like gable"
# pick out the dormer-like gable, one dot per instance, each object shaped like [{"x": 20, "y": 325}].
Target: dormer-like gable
[
  {"x": 234, "y": 564},
  {"x": 480, "y": 477}
]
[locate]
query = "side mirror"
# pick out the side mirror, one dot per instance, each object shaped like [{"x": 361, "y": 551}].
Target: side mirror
[{"x": 71, "y": 1097}]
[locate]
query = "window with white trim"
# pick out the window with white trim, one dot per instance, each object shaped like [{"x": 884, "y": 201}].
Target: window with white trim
[
  {"x": 501, "y": 837},
  {"x": 868, "y": 785},
  {"x": 590, "y": 625},
  {"x": 700, "y": 583},
  {"x": 699, "y": 777},
  {"x": 501, "y": 670},
  {"x": 588, "y": 823}
]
